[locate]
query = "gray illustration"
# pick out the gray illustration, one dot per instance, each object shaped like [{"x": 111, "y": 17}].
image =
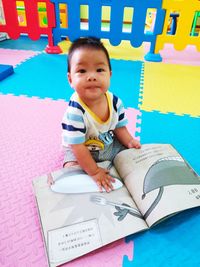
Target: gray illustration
[
  {"x": 74, "y": 180},
  {"x": 164, "y": 172},
  {"x": 122, "y": 209}
]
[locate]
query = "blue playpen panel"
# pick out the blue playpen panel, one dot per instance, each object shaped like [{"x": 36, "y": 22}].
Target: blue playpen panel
[{"x": 115, "y": 33}]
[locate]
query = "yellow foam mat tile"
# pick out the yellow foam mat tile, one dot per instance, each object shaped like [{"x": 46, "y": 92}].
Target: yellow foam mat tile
[
  {"x": 123, "y": 51},
  {"x": 64, "y": 45},
  {"x": 171, "y": 88}
]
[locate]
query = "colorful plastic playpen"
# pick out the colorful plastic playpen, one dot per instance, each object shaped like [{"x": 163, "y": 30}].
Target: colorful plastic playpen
[{"x": 58, "y": 19}]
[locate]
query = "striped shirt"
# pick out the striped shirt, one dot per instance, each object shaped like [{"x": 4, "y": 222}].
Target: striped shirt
[{"x": 81, "y": 126}]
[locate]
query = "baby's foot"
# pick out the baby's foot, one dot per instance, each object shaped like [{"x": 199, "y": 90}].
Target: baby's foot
[{"x": 50, "y": 180}]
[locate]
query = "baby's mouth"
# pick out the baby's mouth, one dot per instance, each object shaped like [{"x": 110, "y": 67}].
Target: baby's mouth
[{"x": 92, "y": 87}]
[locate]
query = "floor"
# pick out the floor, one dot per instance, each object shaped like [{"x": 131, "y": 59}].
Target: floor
[{"x": 162, "y": 104}]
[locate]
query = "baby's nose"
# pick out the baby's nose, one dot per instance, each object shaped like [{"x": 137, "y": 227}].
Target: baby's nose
[{"x": 91, "y": 77}]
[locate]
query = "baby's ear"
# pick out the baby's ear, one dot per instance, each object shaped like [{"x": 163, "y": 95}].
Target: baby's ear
[{"x": 69, "y": 78}]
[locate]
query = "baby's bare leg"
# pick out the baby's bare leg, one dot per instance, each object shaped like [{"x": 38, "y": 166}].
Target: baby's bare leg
[
  {"x": 70, "y": 164},
  {"x": 50, "y": 180}
]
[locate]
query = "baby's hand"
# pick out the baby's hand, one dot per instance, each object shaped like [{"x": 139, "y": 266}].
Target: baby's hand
[
  {"x": 133, "y": 143},
  {"x": 103, "y": 179}
]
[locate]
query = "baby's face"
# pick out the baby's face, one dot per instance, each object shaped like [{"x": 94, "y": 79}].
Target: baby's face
[{"x": 90, "y": 73}]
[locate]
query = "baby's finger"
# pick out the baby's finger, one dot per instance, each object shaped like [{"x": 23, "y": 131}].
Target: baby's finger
[
  {"x": 107, "y": 171},
  {"x": 99, "y": 186},
  {"x": 138, "y": 145},
  {"x": 106, "y": 186},
  {"x": 109, "y": 183},
  {"x": 112, "y": 179}
]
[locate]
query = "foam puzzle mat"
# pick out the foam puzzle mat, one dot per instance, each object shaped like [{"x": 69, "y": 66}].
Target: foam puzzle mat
[
  {"x": 123, "y": 51},
  {"x": 162, "y": 105},
  {"x": 181, "y": 96}
]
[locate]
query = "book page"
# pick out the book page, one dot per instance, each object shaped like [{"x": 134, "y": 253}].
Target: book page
[
  {"x": 159, "y": 180},
  {"x": 77, "y": 223}
]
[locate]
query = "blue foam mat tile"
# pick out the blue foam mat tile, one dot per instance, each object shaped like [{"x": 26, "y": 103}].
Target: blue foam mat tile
[
  {"x": 174, "y": 242},
  {"x": 25, "y": 43},
  {"x": 125, "y": 81},
  {"x": 180, "y": 131},
  {"x": 45, "y": 76}
]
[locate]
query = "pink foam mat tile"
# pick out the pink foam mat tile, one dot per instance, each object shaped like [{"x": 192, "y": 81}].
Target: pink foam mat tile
[
  {"x": 134, "y": 120},
  {"x": 30, "y": 146},
  {"x": 187, "y": 56},
  {"x": 14, "y": 57}
]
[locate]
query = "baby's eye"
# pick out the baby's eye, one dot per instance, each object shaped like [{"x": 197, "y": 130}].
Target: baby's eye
[
  {"x": 100, "y": 70},
  {"x": 82, "y": 71}
]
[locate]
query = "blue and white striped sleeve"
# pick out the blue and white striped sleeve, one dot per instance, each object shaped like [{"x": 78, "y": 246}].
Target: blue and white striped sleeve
[
  {"x": 119, "y": 108},
  {"x": 73, "y": 127}
]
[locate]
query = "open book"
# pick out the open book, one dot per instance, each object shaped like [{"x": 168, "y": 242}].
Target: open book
[{"x": 152, "y": 183}]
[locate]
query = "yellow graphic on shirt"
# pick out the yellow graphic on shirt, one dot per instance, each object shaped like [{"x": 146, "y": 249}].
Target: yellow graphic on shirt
[{"x": 94, "y": 144}]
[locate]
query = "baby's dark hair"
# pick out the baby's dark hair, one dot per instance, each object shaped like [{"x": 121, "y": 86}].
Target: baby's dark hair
[{"x": 87, "y": 42}]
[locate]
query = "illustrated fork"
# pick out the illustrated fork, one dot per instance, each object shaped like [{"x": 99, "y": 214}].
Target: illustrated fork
[{"x": 103, "y": 201}]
